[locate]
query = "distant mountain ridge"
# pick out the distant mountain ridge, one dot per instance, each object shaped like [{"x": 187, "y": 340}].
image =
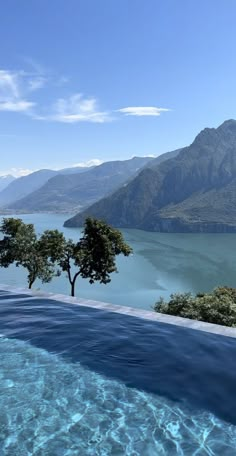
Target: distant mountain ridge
[
  {"x": 192, "y": 192},
  {"x": 20, "y": 187},
  {"x": 66, "y": 192},
  {"x": 5, "y": 181},
  {"x": 161, "y": 158},
  {"x": 23, "y": 185}
]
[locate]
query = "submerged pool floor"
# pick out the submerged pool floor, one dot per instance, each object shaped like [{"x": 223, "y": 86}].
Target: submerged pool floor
[{"x": 81, "y": 381}]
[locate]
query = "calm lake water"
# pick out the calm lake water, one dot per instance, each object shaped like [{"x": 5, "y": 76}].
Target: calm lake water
[{"x": 161, "y": 264}]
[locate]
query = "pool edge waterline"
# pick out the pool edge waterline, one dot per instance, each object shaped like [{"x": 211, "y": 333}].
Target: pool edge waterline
[{"x": 126, "y": 310}]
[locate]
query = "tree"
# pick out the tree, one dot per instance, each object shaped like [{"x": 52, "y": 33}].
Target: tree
[
  {"x": 218, "y": 306},
  {"x": 20, "y": 246},
  {"x": 93, "y": 257}
]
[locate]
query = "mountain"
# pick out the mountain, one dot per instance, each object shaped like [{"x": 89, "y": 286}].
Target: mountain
[
  {"x": 23, "y": 186},
  {"x": 192, "y": 192},
  {"x": 161, "y": 158},
  {"x": 5, "y": 181},
  {"x": 66, "y": 192},
  {"x": 76, "y": 169}
]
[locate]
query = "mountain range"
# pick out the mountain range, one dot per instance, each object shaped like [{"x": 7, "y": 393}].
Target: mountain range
[
  {"x": 5, "y": 181},
  {"x": 19, "y": 188},
  {"x": 194, "y": 191},
  {"x": 69, "y": 189}
]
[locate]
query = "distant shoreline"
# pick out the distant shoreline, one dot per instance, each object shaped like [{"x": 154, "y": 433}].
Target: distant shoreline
[{"x": 11, "y": 212}]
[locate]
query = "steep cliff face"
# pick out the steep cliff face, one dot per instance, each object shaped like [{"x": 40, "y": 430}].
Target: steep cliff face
[{"x": 195, "y": 191}]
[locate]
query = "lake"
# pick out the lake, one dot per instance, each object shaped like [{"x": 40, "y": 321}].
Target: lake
[{"x": 162, "y": 263}]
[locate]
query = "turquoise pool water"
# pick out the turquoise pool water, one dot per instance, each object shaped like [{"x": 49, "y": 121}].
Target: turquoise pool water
[
  {"x": 82, "y": 381},
  {"x": 54, "y": 408}
]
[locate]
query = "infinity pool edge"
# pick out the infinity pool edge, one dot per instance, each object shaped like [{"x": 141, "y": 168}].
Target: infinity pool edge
[{"x": 126, "y": 310}]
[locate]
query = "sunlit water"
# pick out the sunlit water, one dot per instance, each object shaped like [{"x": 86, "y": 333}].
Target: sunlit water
[
  {"x": 161, "y": 264},
  {"x": 50, "y": 408},
  {"x": 82, "y": 381}
]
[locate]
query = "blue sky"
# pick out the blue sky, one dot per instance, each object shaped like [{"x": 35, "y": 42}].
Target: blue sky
[{"x": 103, "y": 79}]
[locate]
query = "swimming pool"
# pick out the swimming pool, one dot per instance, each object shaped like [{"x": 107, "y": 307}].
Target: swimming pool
[{"x": 79, "y": 380}]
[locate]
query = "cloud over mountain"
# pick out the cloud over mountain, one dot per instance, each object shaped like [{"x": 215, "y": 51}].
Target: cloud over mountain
[{"x": 142, "y": 111}]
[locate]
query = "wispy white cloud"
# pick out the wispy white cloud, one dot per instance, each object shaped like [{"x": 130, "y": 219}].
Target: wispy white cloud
[
  {"x": 11, "y": 94},
  {"x": 148, "y": 156},
  {"x": 43, "y": 75},
  {"x": 16, "y": 172},
  {"x": 76, "y": 108},
  {"x": 61, "y": 81},
  {"x": 16, "y": 105},
  {"x": 33, "y": 66},
  {"x": 37, "y": 83},
  {"x": 8, "y": 84},
  {"x": 142, "y": 111},
  {"x": 17, "y": 89},
  {"x": 20, "y": 172},
  {"x": 87, "y": 164}
]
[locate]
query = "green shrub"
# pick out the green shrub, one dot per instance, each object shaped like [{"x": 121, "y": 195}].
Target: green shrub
[{"x": 217, "y": 307}]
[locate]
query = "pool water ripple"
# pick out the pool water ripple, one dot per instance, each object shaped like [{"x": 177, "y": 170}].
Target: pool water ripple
[
  {"x": 82, "y": 381},
  {"x": 52, "y": 407}
]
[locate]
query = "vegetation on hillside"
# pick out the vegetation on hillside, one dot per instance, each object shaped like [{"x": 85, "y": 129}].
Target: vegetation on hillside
[
  {"x": 217, "y": 307},
  {"x": 92, "y": 257}
]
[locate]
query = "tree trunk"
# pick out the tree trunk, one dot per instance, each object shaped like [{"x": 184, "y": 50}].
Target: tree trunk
[
  {"x": 72, "y": 282},
  {"x": 73, "y": 288},
  {"x": 30, "y": 285}
]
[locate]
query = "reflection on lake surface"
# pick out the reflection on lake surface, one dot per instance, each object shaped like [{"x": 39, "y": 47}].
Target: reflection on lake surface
[{"x": 162, "y": 263}]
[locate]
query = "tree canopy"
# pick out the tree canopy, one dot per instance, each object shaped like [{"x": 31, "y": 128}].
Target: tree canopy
[
  {"x": 218, "y": 306},
  {"x": 93, "y": 257},
  {"x": 21, "y": 246}
]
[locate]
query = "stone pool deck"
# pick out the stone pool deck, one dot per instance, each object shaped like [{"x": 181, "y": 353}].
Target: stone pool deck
[{"x": 125, "y": 310}]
